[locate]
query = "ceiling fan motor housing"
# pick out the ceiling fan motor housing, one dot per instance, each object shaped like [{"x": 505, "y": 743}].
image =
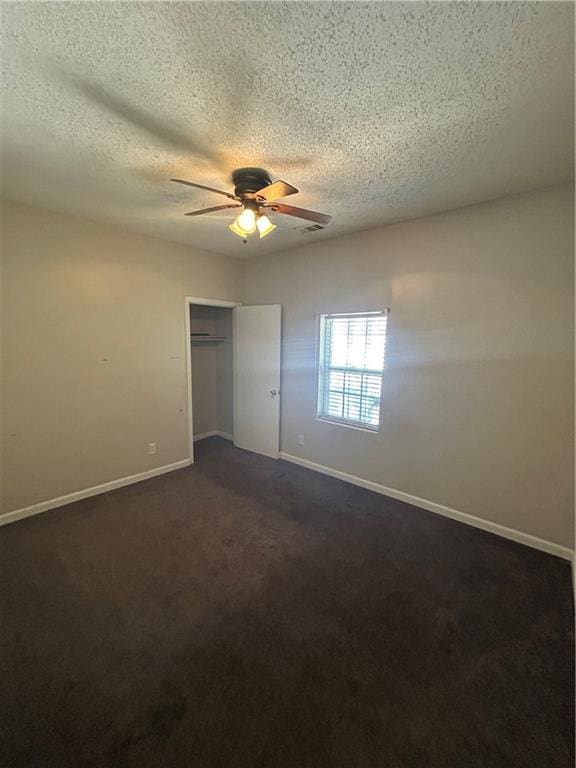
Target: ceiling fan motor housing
[{"x": 247, "y": 181}]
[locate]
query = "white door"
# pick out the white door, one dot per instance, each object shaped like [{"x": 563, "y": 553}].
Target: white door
[{"x": 257, "y": 378}]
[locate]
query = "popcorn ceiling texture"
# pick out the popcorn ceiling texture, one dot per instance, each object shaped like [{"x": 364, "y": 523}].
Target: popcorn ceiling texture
[{"x": 377, "y": 112}]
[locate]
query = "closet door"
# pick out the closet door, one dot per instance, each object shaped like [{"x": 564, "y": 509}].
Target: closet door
[{"x": 257, "y": 378}]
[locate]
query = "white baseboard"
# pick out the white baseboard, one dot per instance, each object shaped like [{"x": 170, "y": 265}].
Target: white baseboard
[
  {"x": 462, "y": 517},
  {"x": 44, "y": 506},
  {"x": 214, "y": 433}
]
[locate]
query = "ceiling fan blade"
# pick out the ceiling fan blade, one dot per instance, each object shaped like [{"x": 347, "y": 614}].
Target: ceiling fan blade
[
  {"x": 276, "y": 190},
  {"x": 209, "y": 189},
  {"x": 301, "y": 213},
  {"x": 209, "y": 210}
]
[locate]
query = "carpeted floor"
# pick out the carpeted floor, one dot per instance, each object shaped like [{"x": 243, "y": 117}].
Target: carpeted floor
[{"x": 247, "y": 613}]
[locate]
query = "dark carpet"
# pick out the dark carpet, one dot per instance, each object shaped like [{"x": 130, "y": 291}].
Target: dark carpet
[{"x": 247, "y": 613}]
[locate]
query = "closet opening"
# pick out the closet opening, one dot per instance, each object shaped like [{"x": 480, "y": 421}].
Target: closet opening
[{"x": 211, "y": 379}]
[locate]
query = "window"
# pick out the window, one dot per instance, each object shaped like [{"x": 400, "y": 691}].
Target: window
[{"x": 350, "y": 368}]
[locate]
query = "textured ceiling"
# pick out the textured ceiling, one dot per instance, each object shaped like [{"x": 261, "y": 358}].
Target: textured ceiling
[{"x": 377, "y": 112}]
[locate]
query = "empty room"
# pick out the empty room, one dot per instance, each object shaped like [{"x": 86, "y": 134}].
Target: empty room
[{"x": 287, "y": 384}]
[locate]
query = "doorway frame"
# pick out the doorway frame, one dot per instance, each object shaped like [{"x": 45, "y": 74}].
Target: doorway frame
[{"x": 188, "y": 302}]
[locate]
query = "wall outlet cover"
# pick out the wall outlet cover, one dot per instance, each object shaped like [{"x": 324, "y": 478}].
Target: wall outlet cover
[{"x": 151, "y": 449}]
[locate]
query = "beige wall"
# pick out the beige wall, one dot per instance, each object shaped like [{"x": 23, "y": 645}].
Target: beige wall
[
  {"x": 224, "y": 383},
  {"x": 477, "y": 408},
  {"x": 93, "y": 361}
]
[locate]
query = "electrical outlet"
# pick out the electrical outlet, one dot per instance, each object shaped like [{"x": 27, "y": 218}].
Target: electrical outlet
[
  {"x": 300, "y": 439},
  {"x": 151, "y": 449}
]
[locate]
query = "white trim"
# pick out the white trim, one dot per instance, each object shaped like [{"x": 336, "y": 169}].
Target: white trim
[
  {"x": 462, "y": 517},
  {"x": 348, "y": 425},
  {"x": 212, "y": 302},
  {"x": 213, "y": 433},
  {"x": 385, "y": 311},
  {"x": 204, "y": 435},
  {"x": 60, "y": 501},
  {"x": 188, "y": 356}
]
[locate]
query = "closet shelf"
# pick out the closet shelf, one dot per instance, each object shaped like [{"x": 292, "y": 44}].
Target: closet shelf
[{"x": 207, "y": 338}]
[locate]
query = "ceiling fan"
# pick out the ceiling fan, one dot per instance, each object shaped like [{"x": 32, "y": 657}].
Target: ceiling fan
[
  {"x": 254, "y": 190},
  {"x": 256, "y": 193}
]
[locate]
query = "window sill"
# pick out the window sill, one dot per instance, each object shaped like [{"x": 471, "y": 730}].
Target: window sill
[{"x": 357, "y": 427}]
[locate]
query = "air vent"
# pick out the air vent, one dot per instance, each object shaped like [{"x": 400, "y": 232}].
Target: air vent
[{"x": 311, "y": 228}]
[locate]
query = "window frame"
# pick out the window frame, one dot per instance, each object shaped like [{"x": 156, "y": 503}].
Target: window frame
[{"x": 323, "y": 371}]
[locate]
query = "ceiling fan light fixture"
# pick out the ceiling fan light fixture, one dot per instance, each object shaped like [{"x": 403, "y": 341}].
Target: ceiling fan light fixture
[
  {"x": 234, "y": 227},
  {"x": 247, "y": 221},
  {"x": 264, "y": 225}
]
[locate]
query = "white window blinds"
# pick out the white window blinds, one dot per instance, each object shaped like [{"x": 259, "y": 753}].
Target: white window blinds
[{"x": 351, "y": 362}]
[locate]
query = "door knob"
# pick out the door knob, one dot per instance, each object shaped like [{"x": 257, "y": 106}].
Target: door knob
[{"x": 273, "y": 392}]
